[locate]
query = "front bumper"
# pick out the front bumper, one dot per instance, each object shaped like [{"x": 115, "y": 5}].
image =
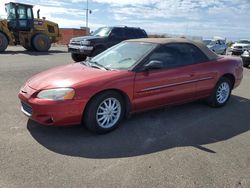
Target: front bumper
[
  {"x": 237, "y": 51},
  {"x": 48, "y": 112},
  {"x": 86, "y": 50}
]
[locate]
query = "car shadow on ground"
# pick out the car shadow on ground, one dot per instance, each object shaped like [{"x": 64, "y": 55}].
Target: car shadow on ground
[
  {"x": 193, "y": 124},
  {"x": 33, "y": 53}
]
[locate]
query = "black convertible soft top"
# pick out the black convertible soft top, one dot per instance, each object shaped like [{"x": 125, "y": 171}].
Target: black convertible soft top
[{"x": 211, "y": 55}]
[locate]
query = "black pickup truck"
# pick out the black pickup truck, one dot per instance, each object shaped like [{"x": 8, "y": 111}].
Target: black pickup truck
[{"x": 102, "y": 39}]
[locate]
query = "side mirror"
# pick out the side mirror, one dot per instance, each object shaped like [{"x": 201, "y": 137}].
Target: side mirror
[{"x": 153, "y": 64}]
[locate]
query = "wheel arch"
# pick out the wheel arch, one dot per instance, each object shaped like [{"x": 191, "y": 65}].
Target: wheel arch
[
  {"x": 126, "y": 100},
  {"x": 230, "y": 77},
  {"x": 102, "y": 46},
  {"x": 96, "y": 48}
]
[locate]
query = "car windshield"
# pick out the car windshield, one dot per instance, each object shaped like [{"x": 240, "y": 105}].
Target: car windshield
[
  {"x": 11, "y": 12},
  {"x": 102, "y": 32},
  {"x": 244, "y": 41},
  {"x": 123, "y": 55},
  {"x": 213, "y": 42}
]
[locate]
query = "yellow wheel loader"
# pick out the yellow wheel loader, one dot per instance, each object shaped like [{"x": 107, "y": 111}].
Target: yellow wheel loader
[{"x": 21, "y": 28}]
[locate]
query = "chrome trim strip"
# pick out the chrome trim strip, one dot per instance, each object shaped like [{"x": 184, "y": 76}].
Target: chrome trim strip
[
  {"x": 25, "y": 112},
  {"x": 176, "y": 84}
]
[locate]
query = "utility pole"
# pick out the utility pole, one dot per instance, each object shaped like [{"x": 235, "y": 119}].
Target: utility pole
[
  {"x": 87, "y": 14},
  {"x": 88, "y": 11}
]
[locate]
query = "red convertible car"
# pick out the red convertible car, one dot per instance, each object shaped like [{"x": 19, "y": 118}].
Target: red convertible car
[{"x": 133, "y": 76}]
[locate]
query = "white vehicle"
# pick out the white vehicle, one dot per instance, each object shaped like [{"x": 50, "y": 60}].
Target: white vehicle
[
  {"x": 217, "y": 45},
  {"x": 239, "y": 47}
]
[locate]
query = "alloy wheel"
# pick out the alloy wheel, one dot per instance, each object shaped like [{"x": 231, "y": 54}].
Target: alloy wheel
[
  {"x": 223, "y": 92},
  {"x": 108, "y": 113}
]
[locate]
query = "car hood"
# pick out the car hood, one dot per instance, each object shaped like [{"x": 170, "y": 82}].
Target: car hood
[
  {"x": 77, "y": 39},
  {"x": 67, "y": 76}
]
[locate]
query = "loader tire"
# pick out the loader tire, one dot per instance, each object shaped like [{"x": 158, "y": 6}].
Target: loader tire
[
  {"x": 28, "y": 48},
  {"x": 41, "y": 43},
  {"x": 3, "y": 42}
]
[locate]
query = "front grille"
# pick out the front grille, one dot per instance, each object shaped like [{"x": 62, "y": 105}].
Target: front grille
[
  {"x": 27, "y": 109},
  {"x": 76, "y": 43},
  {"x": 239, "y": 47}
]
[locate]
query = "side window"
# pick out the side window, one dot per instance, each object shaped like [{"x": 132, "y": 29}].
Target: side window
[
  {"x": 117, "y": 33},
  {"x": 167, "y": 55},
  {"x": 129, "y": 34},
  {"x": 11, "y": 13},
  {"x": 21, "y": 12},
  {"x": 189, "y": 54},
  {"x": 29, "y": 13},
  {"x": 178, "y": 54}
]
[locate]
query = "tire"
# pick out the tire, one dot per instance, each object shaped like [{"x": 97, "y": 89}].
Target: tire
[
  {"x": 78, "y": 57},
  {"x": 245, "y": 65},
  {"x": 28, "y": 48},
  {"x": 100, "y": 108},
  {"x": 97, "y": 51},
  {"x": 221, "y": 93},
  {"x": 41, "y": 43},
  {"x": 3, "y": 42}
]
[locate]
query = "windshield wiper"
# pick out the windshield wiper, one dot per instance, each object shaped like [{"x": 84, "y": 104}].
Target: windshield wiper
[
  {"x": 97, "y": 65},
  {"x": 84, "y": 63},
  {"x": 126, "y": 59}
]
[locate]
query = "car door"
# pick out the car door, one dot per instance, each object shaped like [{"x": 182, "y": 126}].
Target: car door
[
  {"x": 174, "y": 83},
  {"x": 204, "y": 71}
]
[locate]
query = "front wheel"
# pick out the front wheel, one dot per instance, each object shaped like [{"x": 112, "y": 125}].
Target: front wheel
[
  {"x": 245, "y": 64},
  {"x": 221, "y": 93},
  {"x": 78, "y": 57},
  {"x": 41, "y": 43},
  {"x": 104, "y": 112}
]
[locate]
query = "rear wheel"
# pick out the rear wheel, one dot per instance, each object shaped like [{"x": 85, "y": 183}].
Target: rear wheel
[
  {"x": 221, "y": 93},
  {"x": 104, "y": 112},
  {"x": 41, "y": 43},
  {"x": 3, "y": 42},
  {"x": 78, "y": 57}
]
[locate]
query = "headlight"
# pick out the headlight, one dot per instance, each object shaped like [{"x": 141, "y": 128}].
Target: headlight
[
  {"x": 57, "y": 94},
  {"x": 85, "y": 42}
]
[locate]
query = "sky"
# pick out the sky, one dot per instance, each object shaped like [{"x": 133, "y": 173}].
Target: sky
[{"x": 205, "y": 18}]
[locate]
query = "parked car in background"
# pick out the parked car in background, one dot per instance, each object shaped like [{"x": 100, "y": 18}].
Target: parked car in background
[
  {"x": 217, "y": 45},
  {"x": 102, "y": 39},
  {"x": 133, "y": 76},
  {"x": 246, "y": 58},
  {"x": 239, "y": 47},
  {"x": 206, "y": 41}
]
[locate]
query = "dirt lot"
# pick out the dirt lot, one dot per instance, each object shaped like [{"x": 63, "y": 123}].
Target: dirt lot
[{"x": 191, "y": 145}]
